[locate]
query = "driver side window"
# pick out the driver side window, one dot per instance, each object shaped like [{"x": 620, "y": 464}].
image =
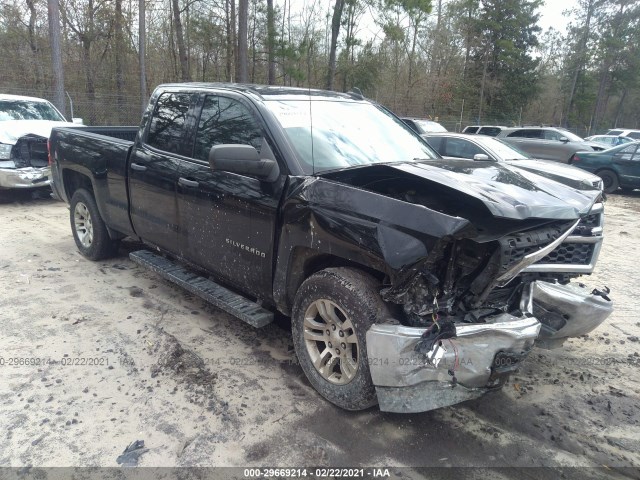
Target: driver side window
[
  {"x": 225, "y": 121},
  {"x": 551, "y": 135}
]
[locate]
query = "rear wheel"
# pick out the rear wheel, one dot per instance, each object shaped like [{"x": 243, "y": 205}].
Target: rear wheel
[
  {"x": 609, "y": 180},
  {"x": 332, "y": 312},
  {"x": 89, "y": 230}
]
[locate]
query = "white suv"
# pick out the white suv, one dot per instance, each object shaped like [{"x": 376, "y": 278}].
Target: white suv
[{"x": 621, "y": 132}]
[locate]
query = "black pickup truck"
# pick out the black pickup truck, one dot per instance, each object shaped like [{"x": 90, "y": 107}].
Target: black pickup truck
[{"x": 412, "y": 281}]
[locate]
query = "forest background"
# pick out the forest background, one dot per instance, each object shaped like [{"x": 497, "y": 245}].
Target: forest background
[{"x": 460, "y": 62}]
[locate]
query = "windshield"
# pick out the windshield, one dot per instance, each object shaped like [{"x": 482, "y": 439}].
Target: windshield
[
  {"x": 28, "y": 110},
  {"x": 428, "y": 126},
  {"x": 504, "y": 150},
  {"x": 346, "y": 134}
]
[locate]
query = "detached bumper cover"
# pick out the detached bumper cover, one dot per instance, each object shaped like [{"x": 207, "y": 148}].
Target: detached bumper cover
[
  {"x": 407, "y": 382},
  {"x": 28, "y": 177},
  {"x": 482, "y": 355},
  {"x": 566, "y": 310}
]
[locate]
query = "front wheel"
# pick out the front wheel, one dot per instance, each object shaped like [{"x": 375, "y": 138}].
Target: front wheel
[
  {"x": 332, "y": 312},
  {"x": 610, "y": 181},
  {"x": 89, "y": 230}
]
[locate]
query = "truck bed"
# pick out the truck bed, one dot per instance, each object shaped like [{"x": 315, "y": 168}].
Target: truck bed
[{"x": 99, "y": 153}]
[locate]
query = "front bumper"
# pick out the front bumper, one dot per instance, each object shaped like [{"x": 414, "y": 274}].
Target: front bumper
[
  {"x": 28, "y": 177},
  {"x": 479, "y": 358}
]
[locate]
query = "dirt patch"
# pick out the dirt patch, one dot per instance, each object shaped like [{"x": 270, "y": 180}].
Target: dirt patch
[{"x": 114, "y": 354}]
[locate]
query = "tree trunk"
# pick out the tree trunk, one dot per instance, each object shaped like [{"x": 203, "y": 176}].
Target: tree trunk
[
  {"x": 56, "y": 56},
  {"x": 88, "y": 76},
  {"x": 182, "y": 51},
  {"x": 243, "y": 19},
  {"x": 119, "y": 53},
  {"x": 482, "y": 84},
  {"x": 141, "y": 54},
  {"x": 271, "y": 40},
  {"x": 580, "y": 62},
  {"x": 619, "y": 109},
  {"x": 33, "y": 44},
  {"x": 335, "y": 31}
]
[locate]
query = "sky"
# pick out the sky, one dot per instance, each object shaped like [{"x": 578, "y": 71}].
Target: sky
[{"x": 551, "y": 14}]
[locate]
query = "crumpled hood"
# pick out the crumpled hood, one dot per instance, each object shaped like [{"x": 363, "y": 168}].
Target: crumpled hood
[
  {"x": 12, "y": 130},
  {"x": 569, "y": 175},
  {"x": 506, "y": 191}
]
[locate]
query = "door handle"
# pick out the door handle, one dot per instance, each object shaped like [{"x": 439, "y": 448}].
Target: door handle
[
  {"x": 188, "y": 183},
  {"x": 138, "y": 167}
]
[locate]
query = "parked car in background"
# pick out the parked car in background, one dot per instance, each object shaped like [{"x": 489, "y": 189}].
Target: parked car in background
[
  {"x": 609, "y": 140},
  {"x": 25, "y": 125},
  {"x": 548, "y": 143},
  {"x": 619, "y": 167},
  {"x": 490, "y": 130},
  {"x": 483, "y": 148},
  {"x": 422, "y": 125},
  {"x": 622, "y": 132}
]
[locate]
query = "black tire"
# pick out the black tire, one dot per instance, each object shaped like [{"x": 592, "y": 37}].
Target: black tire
[
  {"x": 89, "y": 230},
  {"x": 610, "y": 180},
  {"x": 356, "y": 297}
]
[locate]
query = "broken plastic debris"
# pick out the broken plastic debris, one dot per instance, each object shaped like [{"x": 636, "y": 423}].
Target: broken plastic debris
[{"x": 132, "y": 454}]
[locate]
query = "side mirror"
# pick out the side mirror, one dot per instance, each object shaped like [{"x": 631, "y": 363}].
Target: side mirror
[
  {"x": 77, "y": 121},
  {"x": 481, "y": 157},
  {"x": 244, "y": 160},
  {"x": 564, "y": 139}
]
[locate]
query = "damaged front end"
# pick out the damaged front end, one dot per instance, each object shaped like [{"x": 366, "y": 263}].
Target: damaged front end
[
  {"x": 471, "y": 312},
  {"x": 478, "y": 260},
  {"x": 27, "y": 165}
]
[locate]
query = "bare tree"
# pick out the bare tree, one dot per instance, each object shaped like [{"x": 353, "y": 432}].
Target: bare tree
[
  {"x": 119, "y": 51},
  {"x": 335, "y": 31},
  {"x": 182, "y": 51},
  {"x": 243, "y": 19},
  {"x": 142, "y": 12},
  {"x": 56, "y": 56},
  {"x": 271, "y": 40}
]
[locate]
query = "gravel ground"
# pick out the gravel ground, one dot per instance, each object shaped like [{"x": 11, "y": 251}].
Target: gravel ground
[{"x": 116, "y": 354}]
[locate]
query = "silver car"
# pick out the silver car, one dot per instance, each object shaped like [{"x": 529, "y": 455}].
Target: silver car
[
  {"x": 548, "y": 143},
  {"x": 609, "y": 140}
]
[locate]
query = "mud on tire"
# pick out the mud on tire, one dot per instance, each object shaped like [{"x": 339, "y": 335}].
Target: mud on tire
[
  {"x": 332, "y": 312},
  {"x": 89, "y": 230}
]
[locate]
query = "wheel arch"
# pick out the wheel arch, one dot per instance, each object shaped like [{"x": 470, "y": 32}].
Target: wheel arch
[{"x": 304, "y": 262}]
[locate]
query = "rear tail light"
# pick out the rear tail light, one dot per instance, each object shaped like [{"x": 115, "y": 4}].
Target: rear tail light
[{"x": 574, "y": 158}]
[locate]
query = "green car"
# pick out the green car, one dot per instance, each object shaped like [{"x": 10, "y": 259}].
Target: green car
[{"x": 619, "y": 167}]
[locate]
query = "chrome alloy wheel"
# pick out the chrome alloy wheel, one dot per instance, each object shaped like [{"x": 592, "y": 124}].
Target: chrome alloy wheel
[
  {"x": 331, "y": 342},
  {"x": 83, "y": 224}
]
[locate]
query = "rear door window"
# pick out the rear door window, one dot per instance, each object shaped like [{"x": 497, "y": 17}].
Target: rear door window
[
  {"x": 527, "y": 133},
  {"x": 627, "y": 153},
  {"x": 167, "y": 130},
  {"x": 470, "y": 130},
  {"x": 552, "y": 135},
  {"x": 436, "y": 143},
  {"x": 490, "y": 131},
  {"x": 634, "y": 135}
]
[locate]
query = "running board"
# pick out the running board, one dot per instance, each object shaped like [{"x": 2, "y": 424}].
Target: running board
[{"x": 232, "y": 303}]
